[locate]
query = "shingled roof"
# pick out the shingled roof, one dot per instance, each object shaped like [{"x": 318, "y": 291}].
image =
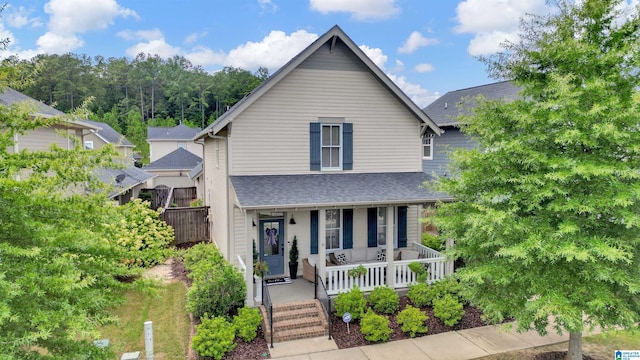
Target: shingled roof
[
  {"x": 180, "y": 133},
  {"x": 132, "y": 177},
  {"x": 340, "y": 189},
  {"x": 445, "y": 110},
  {"x": 179, "y": 159},
  {"x": 109, "y": 135}
]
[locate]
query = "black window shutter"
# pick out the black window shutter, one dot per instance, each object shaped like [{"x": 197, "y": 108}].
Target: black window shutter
[
  {"x": 347, "y": 146},
  {"x": 314, "y": 231},
  {"x": 347, "y": 231},
  {"x": 372, "y": 227},
  {"x": 314, "y": 146},
  {"x": 402, "y": 226}
]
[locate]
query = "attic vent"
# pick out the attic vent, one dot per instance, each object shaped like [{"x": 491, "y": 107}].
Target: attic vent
[{"x": 445, "y": 105}]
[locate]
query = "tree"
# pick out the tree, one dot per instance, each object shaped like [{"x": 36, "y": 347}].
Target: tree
[
  {"x": 547, "y": 217},
  {"x": 58, "y": 267}
]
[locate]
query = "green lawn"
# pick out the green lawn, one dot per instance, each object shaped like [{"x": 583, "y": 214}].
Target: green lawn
[{"x": 171, "y": 325}]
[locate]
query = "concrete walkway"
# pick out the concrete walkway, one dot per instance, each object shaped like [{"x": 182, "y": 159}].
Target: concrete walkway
[{"x": 454, "y": 345}]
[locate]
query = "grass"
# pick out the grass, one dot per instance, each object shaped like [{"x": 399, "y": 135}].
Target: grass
[
  {"x": 171, "y": 325},
  {"x": 600, "y": 346}
]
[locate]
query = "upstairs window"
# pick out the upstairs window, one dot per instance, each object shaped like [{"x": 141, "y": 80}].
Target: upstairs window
[
  {"x": 88, "y": 145},
  {"x": 182, "y": 145},
  {"x": 331, "y": 146},
  {"x": 331, "y": 154},
  {"x": 427, "y": 146}
]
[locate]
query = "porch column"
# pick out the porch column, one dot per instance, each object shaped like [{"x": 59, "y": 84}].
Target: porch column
[
  {"x": 391, "y": 273},
  {"x": 322, "y": 244},
  {"x": 248, "y": 274}
]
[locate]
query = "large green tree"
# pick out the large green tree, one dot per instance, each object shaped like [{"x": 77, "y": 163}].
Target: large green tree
[
  {"x": 547, "y": 217},
  {"x": 58, "y": 267}
]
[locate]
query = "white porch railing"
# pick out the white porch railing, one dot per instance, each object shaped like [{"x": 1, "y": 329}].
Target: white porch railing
[{"x": 338, "y": 279}]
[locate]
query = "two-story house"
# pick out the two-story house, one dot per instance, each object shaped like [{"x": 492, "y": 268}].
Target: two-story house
[
  {"x": 174, "y": 155},
  {"x": 328, "y": 150},
  {"x": 445, "y": 112}
]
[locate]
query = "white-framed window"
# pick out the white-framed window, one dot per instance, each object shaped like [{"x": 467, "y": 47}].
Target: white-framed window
[
  {"x": 381, "y": 228},
  {"x": 427, "y": 146},
  {"x": 331, "y": 147},
  {"x": 88, "y": 144},
  {"x": 333, "y": 229},
  {"x": 182, "y": 145}
]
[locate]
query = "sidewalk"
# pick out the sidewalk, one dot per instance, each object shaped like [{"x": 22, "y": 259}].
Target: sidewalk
[{"x": 454, "y": 345}]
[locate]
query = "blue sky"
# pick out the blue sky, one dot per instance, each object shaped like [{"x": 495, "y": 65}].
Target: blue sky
[{"x": 427, "y": 47}]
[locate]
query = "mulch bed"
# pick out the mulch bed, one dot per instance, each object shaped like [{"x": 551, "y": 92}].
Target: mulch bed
[{"x": 472, "y": 318}]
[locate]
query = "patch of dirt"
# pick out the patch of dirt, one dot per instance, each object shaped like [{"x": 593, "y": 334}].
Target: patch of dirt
[
  {"x": 345, "y": 339},
  {"x": 256, "y": 349},
  {"x": 557, "y": 355}
]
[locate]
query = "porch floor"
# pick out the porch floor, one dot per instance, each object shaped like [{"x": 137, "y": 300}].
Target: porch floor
[{"x": 299, "y": 289}]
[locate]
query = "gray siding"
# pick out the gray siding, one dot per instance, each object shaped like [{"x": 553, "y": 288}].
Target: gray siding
[
  {"x": 340, "y": 58},
  {"x": 445, "y": 143}
]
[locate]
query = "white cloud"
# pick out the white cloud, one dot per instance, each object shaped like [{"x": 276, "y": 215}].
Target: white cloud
[
  {"x": 156, "y": 46},
  {"x": 415, "y": 41},
  {"x": 422, "y": 97},
  {"x": 268, "y": 5},
  {"x": 192, "y": 38},
  {"x": 494, "y": 21},
  {"x": 375, "y": 54},
  {"x": 20, "y": 17},
  {"x": 78, "y": 16},
  {"x": 423, "y": 68},
  {"x": 271, "y": 52},
  {"x": 202, "y": 56},
  {"x": 53, "y": 43},
  {"x": 359, "y": 9}
]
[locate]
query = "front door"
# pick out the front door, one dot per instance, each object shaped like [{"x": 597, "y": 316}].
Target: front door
[{"x": 272, "y": 245}]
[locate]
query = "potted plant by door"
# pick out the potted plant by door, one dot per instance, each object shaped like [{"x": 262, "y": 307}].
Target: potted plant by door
[{"x": 293, "y": 259}]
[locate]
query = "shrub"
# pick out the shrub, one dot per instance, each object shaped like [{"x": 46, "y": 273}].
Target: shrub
[
  {"x": 200, "y": 255},
  {"x": 352, "y": 302},
  {"x": 195, "y": 202},
  {"x": 358, "y": 271},
  {"x": 143, "y": 238},
  {"x": 214, "y": 338},
  {"x": 384, "y": 300},
  {"x": 446, "y": 286},
  {"x": 375, "y": 327},
  {"x": 448, "y": 309},
  {"x": 412, "y": 321},
  {"x": 246, "y": 323},
  {"x": 420, "y": 270},
  {"x": 217, "y": 292},
  {"x": 420, "y": 294},
  {"x": 433, "y": 241}
]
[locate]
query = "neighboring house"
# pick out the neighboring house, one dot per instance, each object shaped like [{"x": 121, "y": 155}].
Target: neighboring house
[
  {"x": 128, "y": 181},
  {"x": 173, "y": 169},
  {"x": 41, "y": 139},
  {"x": 445, "y": 111},
  {"x": 164, "y": 140},
  {"x": 327, "y": 150},
  {"x": 95, "y": 139}
]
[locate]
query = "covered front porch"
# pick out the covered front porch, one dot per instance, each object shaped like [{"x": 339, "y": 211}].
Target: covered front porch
[{"x": 374, "y": 218}]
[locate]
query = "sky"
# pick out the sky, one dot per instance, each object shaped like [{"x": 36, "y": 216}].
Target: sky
[{"x": 428, "y": 47}]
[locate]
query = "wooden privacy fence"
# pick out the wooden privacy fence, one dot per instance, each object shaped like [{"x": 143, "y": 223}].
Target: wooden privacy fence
[{"x": 189, "y": 223}]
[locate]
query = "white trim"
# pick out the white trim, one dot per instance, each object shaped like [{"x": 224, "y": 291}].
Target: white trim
[
  {"x": 427, "y": 141},
  {"x": 332, "y": 146}
]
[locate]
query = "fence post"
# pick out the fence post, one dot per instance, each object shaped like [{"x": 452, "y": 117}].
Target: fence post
[{"x": 148, "y": 339}]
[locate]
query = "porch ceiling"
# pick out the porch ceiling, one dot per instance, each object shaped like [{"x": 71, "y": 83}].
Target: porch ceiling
[{"x": 323, "y": 190}]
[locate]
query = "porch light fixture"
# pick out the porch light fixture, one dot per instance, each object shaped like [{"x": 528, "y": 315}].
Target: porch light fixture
[{"x": 292, "y": 221}]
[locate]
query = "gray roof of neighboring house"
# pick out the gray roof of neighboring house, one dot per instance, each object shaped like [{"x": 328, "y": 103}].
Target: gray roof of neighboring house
[
  {"x": 334, "y": 33},
  {"x": 196, "y": 171},
  {"x": 132, "y": 177},
  {"x": 445, "y": 110},
  {"x": 313, "y": 190},
  {"x": 109, "y": 135},
  {"x": 9, "y": 97},
  {"x": 179, "y": 159},
  {"x": 180, "y": 132}
]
